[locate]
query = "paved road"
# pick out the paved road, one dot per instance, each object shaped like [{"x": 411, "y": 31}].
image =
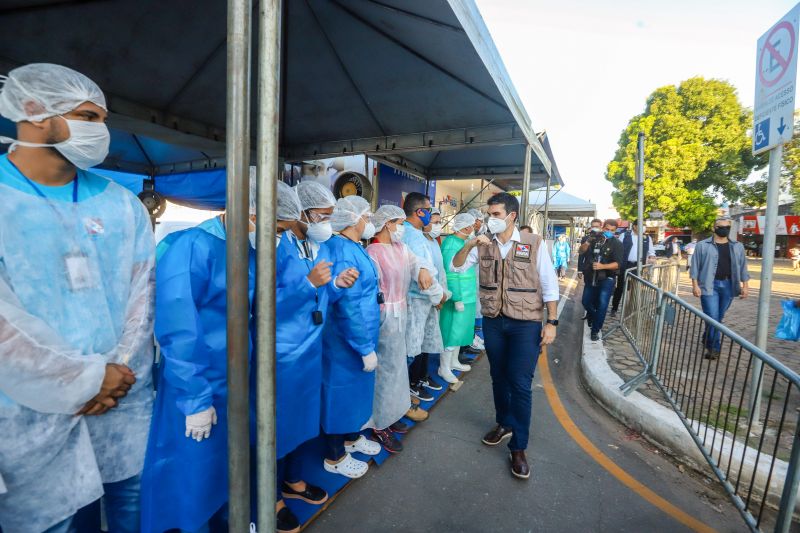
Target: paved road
[{"x": 446, "y": 480}]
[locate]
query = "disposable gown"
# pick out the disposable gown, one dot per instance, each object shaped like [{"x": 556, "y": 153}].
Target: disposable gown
[
  {"x": 397, "y": 266},
  {"x": 458, "y": 327},
  {"x": 351, "y": 331},
  {"x": 422, "y": 329},
  {"x": 298, "y": 349},
  {"x": 58, "y": 333},
  {"x": 560, "y": 254},
  {"x": 184, "y": 481}
]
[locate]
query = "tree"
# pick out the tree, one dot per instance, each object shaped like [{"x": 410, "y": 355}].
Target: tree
[{"x": 697, "y": 147}]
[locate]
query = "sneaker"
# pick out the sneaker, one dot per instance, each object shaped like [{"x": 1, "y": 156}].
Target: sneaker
[
  {"x": 349, "y": 466},
  {"x": 477, "y": 343},
  {"x": 464, "y": 359},
  {"x": 399, "y": 427},
  {"x": 469, "y": 350},
  {"x": 312, "y": 494},
  {"x": 416, "y": 414},
  {"x": 286, "y": 521},
  {"x": 388, "y": 440},
  {"x": 363, "y": 445},
  {"x": 612, "y": 313},
  {"x": 589, "y": 322},
  {"x": 595, "y": 337},
  {"x": 585, "y": 315},
  {"x": 418, "y": 392},
  {"x": 429, "y": 383}
]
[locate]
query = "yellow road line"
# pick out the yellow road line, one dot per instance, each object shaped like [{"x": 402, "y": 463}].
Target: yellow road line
[{"x": 603, "y": 460}]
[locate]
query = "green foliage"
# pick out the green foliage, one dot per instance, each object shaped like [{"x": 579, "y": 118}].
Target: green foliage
[
  {"x": 791, "y": 164},
  {"x": 696, "y": 147}
]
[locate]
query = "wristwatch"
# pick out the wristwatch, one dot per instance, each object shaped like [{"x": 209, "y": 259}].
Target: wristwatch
[{"x": 553, "y": 322}]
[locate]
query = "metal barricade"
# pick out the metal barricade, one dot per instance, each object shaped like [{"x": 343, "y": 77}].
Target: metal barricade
[{"x": 704, "y": 371}]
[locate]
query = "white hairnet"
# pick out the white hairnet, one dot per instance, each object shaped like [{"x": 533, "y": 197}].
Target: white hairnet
[
  {"x": 476, "y": 213},
  {"x": 347, "y": 212},
  {"x": 42, "y": 90},
  {"x": 463, "y": 220},
  {"x": 436, "y": 211},
  {"x": 253, "y": 184},
  {"x": 314, "y": 195},
  {"x": 288, "y": 203},
  {"x": 385, "y": 213}
]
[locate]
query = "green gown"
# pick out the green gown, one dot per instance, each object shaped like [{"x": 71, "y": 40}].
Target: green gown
[{"x": 458, "y": 327}]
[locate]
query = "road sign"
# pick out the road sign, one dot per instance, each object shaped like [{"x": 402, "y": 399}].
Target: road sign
[{"x": 776, "y": 77}]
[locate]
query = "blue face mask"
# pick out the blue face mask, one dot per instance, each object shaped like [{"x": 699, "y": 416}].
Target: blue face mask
[
  {"x": 426, "y": 218},
  {"x": 608, "y": 234}
]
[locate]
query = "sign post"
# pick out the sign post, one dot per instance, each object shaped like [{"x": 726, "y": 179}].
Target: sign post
[{"x": 773, "y": 125}]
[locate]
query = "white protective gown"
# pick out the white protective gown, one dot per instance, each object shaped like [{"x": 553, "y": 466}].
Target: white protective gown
[{"x": 76, "y": 292}]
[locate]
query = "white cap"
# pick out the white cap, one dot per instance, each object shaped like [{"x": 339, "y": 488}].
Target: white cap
[
  {"x": 348, "y": 211},
  {"x": 314, "y": 195},
  {"x": 385, "y": 213}
]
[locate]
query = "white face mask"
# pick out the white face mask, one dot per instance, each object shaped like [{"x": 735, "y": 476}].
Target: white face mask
[
  {"x": 397, "y": 234},
  {"x": 436, "y": 230},
  {"x": 497, "y": 225},
  {"x": 86, "y": 147},
  {"x": 319, "y": 232},
  {"x": 369, "y": 231}
]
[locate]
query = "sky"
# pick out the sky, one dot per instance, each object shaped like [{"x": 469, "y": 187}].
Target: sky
[{"x": 583, "y": 68}]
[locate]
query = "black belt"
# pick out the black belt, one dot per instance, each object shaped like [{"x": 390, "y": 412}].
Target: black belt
[{"x": 726, "y": 278}]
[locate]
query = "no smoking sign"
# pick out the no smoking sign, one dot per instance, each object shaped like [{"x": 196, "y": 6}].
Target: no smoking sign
[{"x": 776, "y": 76}]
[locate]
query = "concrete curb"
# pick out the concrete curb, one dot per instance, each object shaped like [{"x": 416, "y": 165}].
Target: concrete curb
[
  {"x": 658, "y": 424},
  {"x": 663, "y": 428}
]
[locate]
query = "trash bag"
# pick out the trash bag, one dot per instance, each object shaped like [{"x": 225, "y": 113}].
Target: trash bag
[{"x": 789, "y": 326}]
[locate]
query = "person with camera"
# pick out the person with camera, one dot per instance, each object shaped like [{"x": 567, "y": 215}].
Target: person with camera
[{"x": 606, "y": 257}]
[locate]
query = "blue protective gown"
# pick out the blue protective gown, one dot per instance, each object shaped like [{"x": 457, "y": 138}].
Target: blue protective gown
[
  {"x": 561, "y": 253},
  {"x": 185, "y": 482},
  {"x": 351, "y": 331},
  {"x": 298, "y": 348}
]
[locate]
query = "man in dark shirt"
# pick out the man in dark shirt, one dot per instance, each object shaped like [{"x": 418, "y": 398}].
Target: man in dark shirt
[
  {"x": 585, "y": 260},
  {"x": 719, "y": 274},
  {"x": 606, "y": 258}
]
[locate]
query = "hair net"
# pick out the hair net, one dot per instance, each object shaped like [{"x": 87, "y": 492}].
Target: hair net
[
  {"x": 476, "y": 213},
  {"x": 463, "y": 220},
  {"x": 436, "y": 211},
  {"x": 347, "y": 212},
  {"x": 253, "y": 184},
  {"x": 385, "y": 213},
  {"x": 42, "y": 90},
  {"x": 288, "y": 203},
  {"x": 314, "y": 195}
]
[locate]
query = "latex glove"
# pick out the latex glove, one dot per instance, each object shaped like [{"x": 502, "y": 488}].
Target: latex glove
[
  {"x": 370, "y": 362},
  {"x": 459, "y": 306},
  {"x": 435, "y": 293},
  {"x": 198, "y": 425}
]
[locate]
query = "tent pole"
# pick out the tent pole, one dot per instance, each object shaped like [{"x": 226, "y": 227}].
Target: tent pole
[
  {"x": 375, "y": 181},
  {"x": 237, "y": 164},
  {"x": 526, "y": 187},
  {"x": 267, "y": 120},
  {"x": 546, "y": 219}
]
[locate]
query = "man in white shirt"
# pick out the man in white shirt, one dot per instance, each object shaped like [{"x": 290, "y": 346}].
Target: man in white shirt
[
  {"x": 516, "y": 282},
  {"x": 630, "y": 249}
]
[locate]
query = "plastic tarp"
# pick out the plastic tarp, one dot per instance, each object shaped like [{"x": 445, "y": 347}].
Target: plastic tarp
[{"x": 200, "y": 190}]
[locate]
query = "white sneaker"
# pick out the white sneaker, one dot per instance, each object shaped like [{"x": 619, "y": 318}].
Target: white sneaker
[
  {"x": 348, "y": 467},
  {"x": 477, "y": 343},
  {"x": 363, "y": 445}
]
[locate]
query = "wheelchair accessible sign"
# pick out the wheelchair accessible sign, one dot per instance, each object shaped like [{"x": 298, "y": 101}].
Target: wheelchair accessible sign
[{"x": 776, "y": 80}]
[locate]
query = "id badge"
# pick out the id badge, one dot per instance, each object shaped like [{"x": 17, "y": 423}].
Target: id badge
[{"x": 79, "y": 275}]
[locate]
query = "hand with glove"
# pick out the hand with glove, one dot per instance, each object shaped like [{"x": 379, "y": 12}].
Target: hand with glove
[
  {"x": 370, "y": 362},
  {"x": 198, "y": 425},
  {"x": 459, "y": 306}
]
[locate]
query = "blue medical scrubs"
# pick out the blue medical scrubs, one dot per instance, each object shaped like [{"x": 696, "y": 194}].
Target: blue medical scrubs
[
  {"x": 351, "y": 331},
  {"x": 186, "y": 482}
]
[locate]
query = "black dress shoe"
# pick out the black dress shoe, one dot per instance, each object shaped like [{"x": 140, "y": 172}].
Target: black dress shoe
[
  {"x": 399, "y": 427},
  {"x": 497, "y": 435},
  {"x": 519, "y": 465},
  {"x": 313, "y": 495},
  {"x": 287, "y": 522}
]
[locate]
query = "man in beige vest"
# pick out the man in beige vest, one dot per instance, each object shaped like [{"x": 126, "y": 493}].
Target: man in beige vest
[{"x": 516, "y": 281}]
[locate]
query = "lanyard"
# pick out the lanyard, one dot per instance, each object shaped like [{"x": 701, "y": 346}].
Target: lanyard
[
  {"x": 41, "y": 194},
  {"x": 307, "y": 251}
]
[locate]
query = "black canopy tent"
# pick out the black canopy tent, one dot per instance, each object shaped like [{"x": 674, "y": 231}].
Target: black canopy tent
[{"x": 414, "y": 82}]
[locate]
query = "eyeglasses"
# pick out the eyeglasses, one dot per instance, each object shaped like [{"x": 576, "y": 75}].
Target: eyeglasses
[{"x": 317, "y": 217}]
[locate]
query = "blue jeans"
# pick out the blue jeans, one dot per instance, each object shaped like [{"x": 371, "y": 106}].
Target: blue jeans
[
  {"x": 597, "y": 298},
  {"x": 289, "y": 471},
  {"x": 715, "y": 306},
  {"x": 513, "y": 348},
  {"x": 122, "y": 509}
]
